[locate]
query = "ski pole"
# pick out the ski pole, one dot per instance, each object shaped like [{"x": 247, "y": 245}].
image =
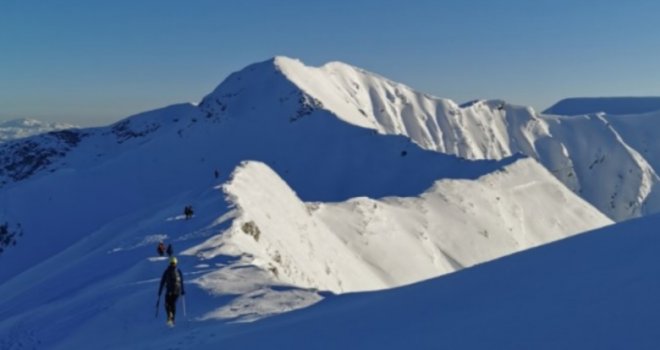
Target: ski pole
[
  {"x": 157, "y": 303},
  {"x": 183, "y": 298}
]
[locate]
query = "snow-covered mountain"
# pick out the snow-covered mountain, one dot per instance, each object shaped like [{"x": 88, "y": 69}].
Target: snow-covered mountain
[
  {"x": 588, "y": 154},
  {"x": 170, "y": 156},
  {"x": 293, "y": 193},
  {"x": 20, "y": 128}
]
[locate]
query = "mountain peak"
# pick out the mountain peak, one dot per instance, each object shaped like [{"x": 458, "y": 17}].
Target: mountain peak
[
  {"x": 258, "y": 90},
  {"x": 481, "y": 129},
  {"x": 285, "y": 61}
]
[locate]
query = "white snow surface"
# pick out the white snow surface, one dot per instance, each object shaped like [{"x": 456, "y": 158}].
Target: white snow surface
[
  {"x": 592, "y": 291},
  {"x": 365, "y": 244},
  {"x": 311, "y": 195},
  {"x": 106, "y": 280},
  {"x": 21, "y": 128},
  {"x": 587, "y": 153}
]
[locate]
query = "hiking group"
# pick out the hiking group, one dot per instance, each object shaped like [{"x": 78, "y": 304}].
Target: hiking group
[
  {"x": 172, "y": 280},
  {"x": 161, "y": 249},
  {"x": 188, "y": 211}
]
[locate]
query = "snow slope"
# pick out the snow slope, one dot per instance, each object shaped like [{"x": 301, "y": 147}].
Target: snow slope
[
  {"x": 324, "y": 204},
  {"x": 588, "y": 154},
  {"x": 107, "y": 280},
  {"x": 594, "y": 291},
  {"x": 257, "y": 113},
  {"x": 608, "y": 105},
  {"x": 20, "y": 128},
  {"x": 640, "y": 133},
  {"x": 365, "y": 243},
  {"x": 88, "y": 179}
]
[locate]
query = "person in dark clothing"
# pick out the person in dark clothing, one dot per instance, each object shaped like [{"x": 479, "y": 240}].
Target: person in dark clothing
[
  {"x": 172, "y": 280},
  {"x": 188, "y": 211},
  {"x": 170, "y": 250},
  {"x": 161, "y": 248}
]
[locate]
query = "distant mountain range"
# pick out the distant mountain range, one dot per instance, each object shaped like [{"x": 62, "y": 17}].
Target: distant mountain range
[
  {"x": 607, "y": 105},
  {"x": 20, "y": 128}
]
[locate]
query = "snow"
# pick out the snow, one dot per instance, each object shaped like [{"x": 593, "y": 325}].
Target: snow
[
  {"x": 111, "y": 275},
  {"x": 496, "y": 129},
  {"x": 592, "y": 291},
  {"x": 640, "y": 134},
  {"x": 365, "y": 244},
  {"x": 329, "y": 180},
  {"x": 21, "y": 128}
]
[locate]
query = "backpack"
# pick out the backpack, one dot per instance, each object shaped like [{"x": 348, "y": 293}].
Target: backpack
[{"x": 173, "y": 281}]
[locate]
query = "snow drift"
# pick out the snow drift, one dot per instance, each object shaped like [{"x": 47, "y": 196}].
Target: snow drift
[{"x": 365, "y": 243}]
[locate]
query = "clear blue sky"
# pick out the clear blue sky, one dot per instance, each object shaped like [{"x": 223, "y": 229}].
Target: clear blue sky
[{"x": 92, "y": 62}]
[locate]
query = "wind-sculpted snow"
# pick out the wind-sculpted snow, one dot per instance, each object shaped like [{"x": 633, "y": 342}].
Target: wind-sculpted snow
[
  {"x": 365, "y": 244},
  {"x": 593, "y": 159},
  {"x": 586, "y": 153},
  {"x": 593, "y": 291},
  {"x": 262, "y": 104},
  {"x": 640, "y": 131}
]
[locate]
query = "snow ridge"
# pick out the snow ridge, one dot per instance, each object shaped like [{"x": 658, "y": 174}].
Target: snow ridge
[
  {"x": 494, "y": 130},
  {"x": 342, "y": 246}
]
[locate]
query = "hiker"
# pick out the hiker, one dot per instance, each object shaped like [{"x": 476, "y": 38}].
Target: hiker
[
  {"x": 188, "y": 211},
  {"x": 170, "y": 251},
  {"x": 173, "y": 281},
  {"x": 161, "y": 248}
]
